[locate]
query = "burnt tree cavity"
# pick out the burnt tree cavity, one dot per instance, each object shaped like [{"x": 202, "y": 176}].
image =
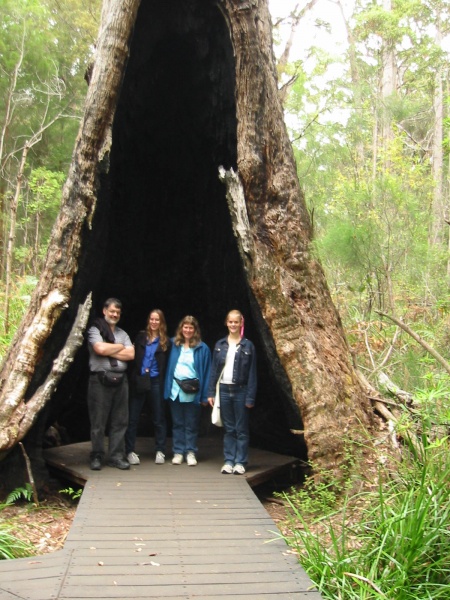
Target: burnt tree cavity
[{"x": 162, "y": 234}]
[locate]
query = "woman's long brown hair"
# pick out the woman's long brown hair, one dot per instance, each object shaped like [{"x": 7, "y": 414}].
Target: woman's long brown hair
[
  {"x": 195, "y": 339},
  {"x": 163, "y": 337}
]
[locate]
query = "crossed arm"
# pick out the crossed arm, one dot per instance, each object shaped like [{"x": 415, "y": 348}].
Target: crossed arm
[{"x": 118, "y": 351}]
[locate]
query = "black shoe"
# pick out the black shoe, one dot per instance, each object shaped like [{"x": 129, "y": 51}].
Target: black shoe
[
  {"x": 96, "y": 463},
  {"x": 119, "y": 463}
]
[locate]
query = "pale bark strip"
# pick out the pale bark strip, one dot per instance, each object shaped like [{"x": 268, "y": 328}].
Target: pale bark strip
[
  {"x": 287, "y": 282},
  {"x": 78, "y": 205},
  {"x": 24, "y": 414},
  {"x": 239, "y": 216}
]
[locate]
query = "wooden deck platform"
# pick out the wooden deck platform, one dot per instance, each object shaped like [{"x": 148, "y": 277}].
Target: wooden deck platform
[{"x": 166, "y": 532}]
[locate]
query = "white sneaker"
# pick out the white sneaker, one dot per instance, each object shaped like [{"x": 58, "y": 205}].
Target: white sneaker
[
  {"x": 160, "y": 458},
  {"x": 133, "y": 459},
  {"x": 191, "y": 460},
  {"x": 177, "y": 459},
  {"x": 239, "y": 469},
  {"x": 227, "y": 469}
]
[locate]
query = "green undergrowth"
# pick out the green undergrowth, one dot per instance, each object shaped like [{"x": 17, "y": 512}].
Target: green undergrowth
[
  {"x": 389, "y": 541},
  {"x": 10, "y": 545}
]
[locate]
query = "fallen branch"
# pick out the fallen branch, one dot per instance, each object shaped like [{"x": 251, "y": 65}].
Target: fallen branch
[
  {"x": 418, "y": 339},
  {"x": 394, "y": 390}
]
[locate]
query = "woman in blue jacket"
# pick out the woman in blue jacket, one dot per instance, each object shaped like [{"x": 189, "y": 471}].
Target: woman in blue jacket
[
  {"x": 234, "y": 366},
  {"x": 189, "y": 358}
]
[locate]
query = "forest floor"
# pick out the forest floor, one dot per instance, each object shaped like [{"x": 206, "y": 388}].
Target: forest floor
[{"x": 44, "y": 526}]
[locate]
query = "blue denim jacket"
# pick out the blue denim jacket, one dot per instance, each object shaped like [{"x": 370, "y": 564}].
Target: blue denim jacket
[{"x": 244, "y": 368}]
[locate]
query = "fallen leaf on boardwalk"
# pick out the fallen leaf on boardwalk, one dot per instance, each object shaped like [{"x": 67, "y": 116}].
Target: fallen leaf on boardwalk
[
  {"x": 153, "y": 554},
  {"x": 92, "y": 548},
  {"x": 154, "y": 564},
  {"x": 118, "y": 484},
  {"x": 100, "y": 563},
  {"x": 138, "y": 550}
]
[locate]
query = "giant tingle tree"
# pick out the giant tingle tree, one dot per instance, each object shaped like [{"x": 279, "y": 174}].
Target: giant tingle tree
[{"x": 183, "y": 194}]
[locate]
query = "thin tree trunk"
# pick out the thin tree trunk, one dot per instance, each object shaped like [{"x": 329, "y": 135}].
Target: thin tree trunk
[
  {"x": 438, "y": 212},
  {"x": 12, "y": 234}
]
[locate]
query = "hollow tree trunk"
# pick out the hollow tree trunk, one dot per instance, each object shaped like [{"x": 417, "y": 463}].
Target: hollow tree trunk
[{"x": 291, "y": 306}]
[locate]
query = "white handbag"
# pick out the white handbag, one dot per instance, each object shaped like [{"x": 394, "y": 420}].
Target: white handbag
[{"x": 215, "y": 415}]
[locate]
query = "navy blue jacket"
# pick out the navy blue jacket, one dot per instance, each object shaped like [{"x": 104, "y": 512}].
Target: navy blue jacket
[{"x": 244, "y": 368}]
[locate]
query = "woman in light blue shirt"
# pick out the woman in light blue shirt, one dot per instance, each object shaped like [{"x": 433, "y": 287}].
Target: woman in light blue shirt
[{"x": 190, "y": 358}]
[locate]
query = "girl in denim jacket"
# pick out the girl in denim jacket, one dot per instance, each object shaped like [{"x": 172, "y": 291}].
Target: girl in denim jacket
[{"x": 234, "y": 366}]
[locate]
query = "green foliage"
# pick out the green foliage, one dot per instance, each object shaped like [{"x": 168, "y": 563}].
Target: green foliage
[
  {"x": 45, "y": 48},
  {"x": 20, "y": 492},
  {"x": 400, "y": 543},
  {"x": 45, "y": 186},
  {"x": 363, "y": 157},
  {"x": 313, "y": 499},
  {"x": 21, "y": 296},
  {"x": 10, "y": 545},
  {"x": 73, "y": 494}
]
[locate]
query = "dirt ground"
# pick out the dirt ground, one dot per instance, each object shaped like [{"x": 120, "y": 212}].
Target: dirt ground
[{"x": 45, "y": 526}]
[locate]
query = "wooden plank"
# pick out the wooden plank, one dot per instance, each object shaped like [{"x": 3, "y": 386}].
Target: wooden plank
[{"x": 110, "y": 588}]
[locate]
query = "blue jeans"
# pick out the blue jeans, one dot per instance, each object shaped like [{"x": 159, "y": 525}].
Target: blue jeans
[
  {"x": 185, "y": 426},
  {"x": 234, "y": 415},
  {"x": 107, "y": 405},
  {"x": 157, "y": 408}
]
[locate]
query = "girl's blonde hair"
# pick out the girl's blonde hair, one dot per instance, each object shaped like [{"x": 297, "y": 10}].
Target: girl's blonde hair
[
  {"x": 234, "y": 312},
  {"x": 195, "y": 339},
  {"x": 163, "y": 337},
  {"x": 241, "y": 317}
]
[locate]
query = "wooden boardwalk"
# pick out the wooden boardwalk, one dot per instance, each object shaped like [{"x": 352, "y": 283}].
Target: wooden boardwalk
[{"x": 164, "y": 532}]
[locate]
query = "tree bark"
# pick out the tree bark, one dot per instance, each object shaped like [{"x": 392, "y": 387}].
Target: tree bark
[
  {"x": 287, "y": 282},
  {"x": 299, "y": 326}
]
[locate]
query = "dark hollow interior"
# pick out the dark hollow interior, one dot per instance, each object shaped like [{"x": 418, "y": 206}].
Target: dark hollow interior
[{"x": 162, "y": 235}]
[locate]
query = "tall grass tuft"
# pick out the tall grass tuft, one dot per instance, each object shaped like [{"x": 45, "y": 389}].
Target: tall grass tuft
[
  {"x": 11, "y": 546},
  {"x": 398, "y": 547}
]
